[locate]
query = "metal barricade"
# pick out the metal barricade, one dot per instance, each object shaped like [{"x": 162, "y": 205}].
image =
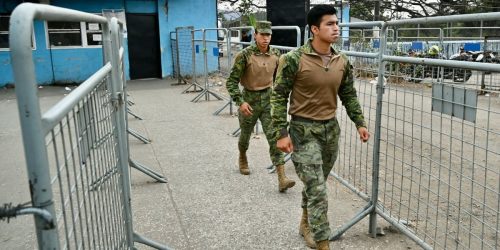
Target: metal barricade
[
  {"x": 76, "y": 152},
  {"x": 182, "y": 53},
  {"x": 175, "y": 56},
  {"x": 197, "y": 59},
  {"x": 216, "y": 67},
  {"x": 432, "y": 168}
]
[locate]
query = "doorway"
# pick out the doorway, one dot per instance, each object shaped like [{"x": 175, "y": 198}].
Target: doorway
[{"x": 144, "y": 46}]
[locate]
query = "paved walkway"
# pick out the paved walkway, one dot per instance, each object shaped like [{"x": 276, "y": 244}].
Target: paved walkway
[{"x": 206, "y": 203}]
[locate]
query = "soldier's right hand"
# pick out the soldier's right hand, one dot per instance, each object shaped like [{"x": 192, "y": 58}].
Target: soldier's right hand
[
  {"x": 246, "y": 109},
  {"x": 285, "y": 144}
]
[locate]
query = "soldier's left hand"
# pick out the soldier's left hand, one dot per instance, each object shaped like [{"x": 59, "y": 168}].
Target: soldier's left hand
[{"x": 364, "y": 135}]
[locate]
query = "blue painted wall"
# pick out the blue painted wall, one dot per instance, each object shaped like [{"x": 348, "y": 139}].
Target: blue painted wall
[
  {"x": 64, "y": 65},
  {"x": 179, "y": 13}
]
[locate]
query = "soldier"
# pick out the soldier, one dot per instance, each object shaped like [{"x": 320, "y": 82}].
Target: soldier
[
  {"x": 315, "y": 74},
  {"x": 255, "y": 67}
]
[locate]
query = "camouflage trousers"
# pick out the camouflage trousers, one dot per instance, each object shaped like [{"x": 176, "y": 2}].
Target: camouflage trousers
[
  {"x": 315, "y": 148},
  {"x": 260, "y": 101}
]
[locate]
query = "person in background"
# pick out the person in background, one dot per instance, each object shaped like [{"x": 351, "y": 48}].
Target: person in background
[{"x": 254, "y": 68}]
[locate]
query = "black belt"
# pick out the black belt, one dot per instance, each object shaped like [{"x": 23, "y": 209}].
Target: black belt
[
  {"x": 261, "y": 90},
  {"x": 303, "y": 119}
]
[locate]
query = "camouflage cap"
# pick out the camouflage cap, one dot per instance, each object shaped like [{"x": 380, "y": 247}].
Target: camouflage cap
[{"x": 263, "y": 27}]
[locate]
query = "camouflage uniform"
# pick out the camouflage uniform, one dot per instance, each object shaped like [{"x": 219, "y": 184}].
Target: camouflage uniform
[
  {"x": 259, "y": 100},
  {"x": 315, "y": 142}
]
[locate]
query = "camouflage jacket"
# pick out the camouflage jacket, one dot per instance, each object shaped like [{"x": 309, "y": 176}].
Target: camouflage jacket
[
  {"x": 283, "y": 85},
  {"x": 238, "y": 69}
]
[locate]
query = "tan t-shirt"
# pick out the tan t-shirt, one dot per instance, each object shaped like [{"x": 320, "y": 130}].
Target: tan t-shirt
[
  {"x": 259, "y": 71},
  {"x": 314, "y": 93}
]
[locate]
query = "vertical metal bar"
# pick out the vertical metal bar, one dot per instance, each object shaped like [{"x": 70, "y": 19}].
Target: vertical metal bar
[
  {"x": 401, "y": 147},
  {"x": 386, "y": 153},
  {"x": 76, "y": 176},
  {"x": 349, "y": 163},
  {"x": 96, "y": 167},
  {"x": 84, "y": 190},
  {"x": 101, "y": 162},
  {"x": 394, "y": 148},
  {"x": 68, "y": 176},
  {"x": 420, "y": 162},
  {"x": 92, "y": 167},
  {"x": 178, "y": 57},
  {"x": 378, "y": 119},
  {"x": 112, "y": 182},
  {"x": 61, "y": 188},
  {"x": 110, "y": 45},
  {"x": 120, "y": 116},
  {"x": 488, "y": 129},
  {"x": 107, "y": 148},
  {"x": 361, "y": 147},
  {"x": 205, "y": 70},
  {"x": 229, "y": 60},
  {"x": 459, "y": 205},
  {"x": 88, "y": 163},
  {"x": 116, "y": 157},
  {"x": 21, "y": 26},
  {"x": 193, "y": 57},
  {"x": 366, "y": 159},
  {"x": 429, "y": 176}
]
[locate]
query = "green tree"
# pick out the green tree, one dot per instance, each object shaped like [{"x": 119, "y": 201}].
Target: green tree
[{"x": 397, "y": 9}]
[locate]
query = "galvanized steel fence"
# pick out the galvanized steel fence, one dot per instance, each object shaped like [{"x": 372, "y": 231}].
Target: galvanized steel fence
[
  {"x": 432, "y": 169},
  {"x": 76, "y": 152},
  {"x": 215, "y": 64},
  {"x": 180, "y": 41}
]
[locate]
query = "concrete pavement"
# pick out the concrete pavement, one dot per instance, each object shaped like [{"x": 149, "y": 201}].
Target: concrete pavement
[{"x": 206, "y": 203}]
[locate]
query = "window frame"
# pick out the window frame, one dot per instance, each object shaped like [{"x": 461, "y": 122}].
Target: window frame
[
  {"x": 83, "y": 37},
  {"x": 33, "y": 39},
  {"x": 92, "y": 32}
]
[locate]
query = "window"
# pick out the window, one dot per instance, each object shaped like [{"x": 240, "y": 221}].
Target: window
[
  {"x": 94, "y": 34},
  {"x": 4, "y": 32},
  {"x": 71, "y": 34},
  {"x": 64, "y": 33}
]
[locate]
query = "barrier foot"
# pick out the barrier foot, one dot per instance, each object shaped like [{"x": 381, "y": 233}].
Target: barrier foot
[
  {"x": 179, "y": 82},
  {"x": 229, "y": 103},
  {"x": 158, "y": 177},
  {"x": 143, "y": 240},
  {"x": 195, "y": 85},
  {"x": 236, "y": 132},
  {"x": 138, "y": 136},
  {"x": 134, "y": 115},
  {"x": 207, "y": 94},
  {"x": 359, "y": 216}
]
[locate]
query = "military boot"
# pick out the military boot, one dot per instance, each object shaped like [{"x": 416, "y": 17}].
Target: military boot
[
  {"x": 305, "y": 231},
  {"x": 283, "y": 182},
  {"x": 243, "y": 162},
  {"x": 323, "y": 245}
]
